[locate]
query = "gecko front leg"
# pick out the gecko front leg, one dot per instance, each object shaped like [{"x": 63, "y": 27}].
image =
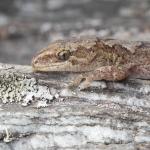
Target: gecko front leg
[{"x": 109, "y": 73}]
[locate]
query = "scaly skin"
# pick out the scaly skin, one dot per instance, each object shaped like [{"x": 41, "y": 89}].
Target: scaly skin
[{"x": 95, "y": 59}]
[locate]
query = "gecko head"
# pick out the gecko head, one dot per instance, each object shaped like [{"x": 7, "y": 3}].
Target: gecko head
[{"x": 57, "y": 57}]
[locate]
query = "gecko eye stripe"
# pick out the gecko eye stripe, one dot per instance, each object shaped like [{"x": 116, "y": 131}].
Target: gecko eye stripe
[{"x": 64, "y": 55}]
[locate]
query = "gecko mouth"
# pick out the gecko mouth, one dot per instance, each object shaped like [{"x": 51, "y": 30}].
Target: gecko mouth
[{"x": 59, "y": 66}]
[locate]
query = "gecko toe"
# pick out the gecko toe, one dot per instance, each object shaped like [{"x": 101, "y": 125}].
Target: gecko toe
[{"x": 84, "y": 85}]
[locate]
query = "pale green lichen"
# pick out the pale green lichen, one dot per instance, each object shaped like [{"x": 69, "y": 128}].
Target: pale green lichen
[{"x": 13, "y": 87}]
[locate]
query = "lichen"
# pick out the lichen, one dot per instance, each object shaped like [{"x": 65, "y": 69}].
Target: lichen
[
  {"x": 16, "y": 88},
  {"x": 12, "y": 86}
]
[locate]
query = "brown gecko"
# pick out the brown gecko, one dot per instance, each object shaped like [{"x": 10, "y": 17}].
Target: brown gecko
[{"x": 95, "y": 59}]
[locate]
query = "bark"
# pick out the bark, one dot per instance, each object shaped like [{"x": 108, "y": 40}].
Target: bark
[{"x": 109, "y": 115}]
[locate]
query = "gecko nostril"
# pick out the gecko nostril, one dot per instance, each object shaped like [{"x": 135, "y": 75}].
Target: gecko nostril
[{"x": 34, "y": 62}]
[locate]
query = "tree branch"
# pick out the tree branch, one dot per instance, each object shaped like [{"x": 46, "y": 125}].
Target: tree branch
[{"x": 109, "y": 115}]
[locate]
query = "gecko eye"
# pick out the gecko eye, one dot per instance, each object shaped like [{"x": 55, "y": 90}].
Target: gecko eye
[{"x": 64, "y": 55}]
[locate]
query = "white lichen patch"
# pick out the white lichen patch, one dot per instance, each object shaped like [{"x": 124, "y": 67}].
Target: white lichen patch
[
  {"x": 41, "y": 104},
  {"x": 13, "y": 87},
  {"x": 42, "y": 94},
  {"x": 20, "y": 89}
]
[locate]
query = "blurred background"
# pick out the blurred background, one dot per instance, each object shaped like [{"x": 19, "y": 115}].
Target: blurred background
[{"x": 26, "y": 26}]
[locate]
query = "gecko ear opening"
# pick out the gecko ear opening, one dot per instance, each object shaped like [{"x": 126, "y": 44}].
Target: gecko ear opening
[{"x": 64, "y": 55}]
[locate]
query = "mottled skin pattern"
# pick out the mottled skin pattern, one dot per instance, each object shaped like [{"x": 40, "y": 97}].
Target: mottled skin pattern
[{"x": 95, "y": 59}]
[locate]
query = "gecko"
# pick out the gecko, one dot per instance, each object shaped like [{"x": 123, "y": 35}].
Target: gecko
[{"x": 95, "y": 59}]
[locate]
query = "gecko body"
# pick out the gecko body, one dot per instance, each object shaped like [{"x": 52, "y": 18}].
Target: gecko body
[{"x": 95, "y": 59}]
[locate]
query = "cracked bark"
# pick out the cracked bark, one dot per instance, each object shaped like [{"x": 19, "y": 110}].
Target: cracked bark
[{"x": 109, "y": 115}]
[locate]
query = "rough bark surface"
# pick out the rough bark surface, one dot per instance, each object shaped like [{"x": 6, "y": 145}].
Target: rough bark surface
[{"x": 112, "y": 116}]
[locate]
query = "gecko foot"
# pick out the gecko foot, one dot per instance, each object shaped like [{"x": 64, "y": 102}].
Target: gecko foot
[
  {"x": 76, "y": 82},
  {"x": 84, "y": 85}
]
